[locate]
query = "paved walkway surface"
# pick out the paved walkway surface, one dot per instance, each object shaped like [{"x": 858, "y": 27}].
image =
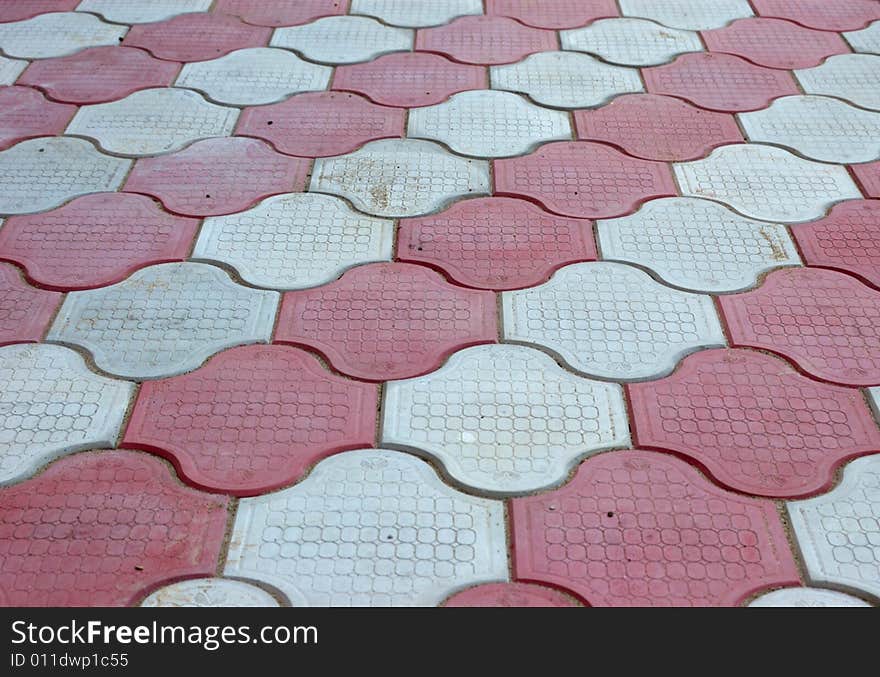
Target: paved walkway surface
[{"x": 421, "y": 302}]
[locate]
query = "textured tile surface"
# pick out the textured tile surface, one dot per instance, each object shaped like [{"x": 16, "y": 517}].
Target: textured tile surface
[
  {"x": 10, "y": 69},
  {"x": 553, "y": 14},
  {"x": 25, "y": 312},
  {"x": 26, "y": 113},
  {"x": 421, "y": 13},
  {"x": 854, "y": 77},
  {"x": 25, "y": 9},
  {"x": 210, "y": 592},
  {"x": 688, "y": 14},
  {"x": 138, "y": 11},
  {"x": 485, "y": 40},
  {"x": 344, "y": 39},
  {"x": 866, "y": 40},
  {"x": 868, "y": 176},
  {"x": 838, "y": 16},
  {"x": 57, "y": 34},
  {"x": 806, "y": 597},
  {"x": 509, "y": 595},
  {"x": 632, "y": 42},
  {"x": 281, "y": 12}
]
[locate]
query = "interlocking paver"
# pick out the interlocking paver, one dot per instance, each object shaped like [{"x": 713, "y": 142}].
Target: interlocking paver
[
  {"x": 509, "y": 595},
  {"x": 496, "y": 243},
  {"x": 253, "y": 419},
  {"x": 294, "y": 241},
  {"x": 344, "y": 39},
  {"x": 10, "y": 69},
  {"x": 697, "y": 244},
  {"x": 505, "y": 419},
  {"x": 868, "y": 176},
  {"x": 612, "y": 320},
  {"x": 210, "y": 592},
  {"x": 854, "y": 77},
  {"x": 95, "y": 240},
  {"x": 164, "y": 319},
  {"x": 554, "y": 14},
  {"x": 582, "y": 179},
  {"x": 638, "y": 528},
  {"x": 138, "y": 11},
  {"x": 369, "y": 528},
  {"x": 26, "y": 113},
  {"x": 57, "y": 34},
  {"x": 866, "y": 40},
  {"x": 485, "y": 40},
  {"x": 416, "y": 14},
  {"x": 25, "y": 312},
  {"x": 281, "y": 12},
  {"x": 838, "y": 533},
  {"x": 826, "y": 322},
  {"x": 52, "y": 404},
  {"x": 806, "y": 597},
  {"x": 25, "y": 9},
  {"x": 693, "y": 15},
  {"x": 632, "y": 42},
  {"x": 846, "y": 15},
  {"x": 98, "y": 528}
]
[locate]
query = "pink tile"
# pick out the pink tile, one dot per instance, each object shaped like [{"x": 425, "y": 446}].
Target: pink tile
[
  {"x": 868, "y": 176},
  {"x": 486, "y": 40},
  {"x": 17, "y": 10},
  {"x": 553, "y": 13},
  {"x": 281, "y": 12},
  {"x": 840, "y": 15},
  {"x": 387, "y": 321},
  {"x": 26, "y": 113},
  {"x": 509, "y": 595},
  {"x": 639, "y": 528},
  {"x": 25, "y": 312},
  {"x": 754, "y": 422}
]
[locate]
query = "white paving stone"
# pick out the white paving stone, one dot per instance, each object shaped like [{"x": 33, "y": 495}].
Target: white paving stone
[
  {"x": 766, "y": 182},
  {"x": 806, "y": 597},
  {"x": 566, "y": 79},
  {"x": 874, "y": 396},
  {"x": 505, "y": 418},
  {"x": 400, "y": 177},
  {"x": 369, "y": 528},
  {"x": 612, "y": 320},
  {"x": 142, "y": 11},
  {"x": 633, "y": 42},
  {"x": 165, "y": 319},
  {"x": 487, "y": 123},
  {"x": 693, "y": 15},
  {"x": 254, "y": 76},
  {"x": 854, "y": 77},
  {"x": 153, "y": 121},
  {"x": 295, "y": 241},
  {"x": 42, "y": 173},
  {"x": 697, "y": 244},
  {"x": 838, "y": 533},
  {"x": 210, "y": 592},
  {"x": 57, "y": 34},
  {"x": 10, "y": 69},
  {"x": 415, "y": 13},
  {"x": 51, "y": 405},
  {"x": 344, "y": 39},
  {"x": 866, "y": 40}
]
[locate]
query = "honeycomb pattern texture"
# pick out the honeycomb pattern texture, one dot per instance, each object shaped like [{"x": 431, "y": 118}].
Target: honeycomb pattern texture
[
  {"x": 26, "y": 113},
  {"x": 842, "y": 16},
  {"x": 57, "y": 34},
  {"x": 344, "y": 39},
  {"x": 866, "y": 40},
  {"x": 631, "y": 42},
  {"x": 692, "y": 15},
  {"x": 414, "y": 14},
  {"x": 210, "y": 592},
  {"x": 25, "y": 312},
  {"x": 136, "y": 11},
  {"x": 509, "y": 595},
  {"x": 868, "y": 176},
  {"x": 485, "y": 40},
  {"x": 854, "y": 77}
]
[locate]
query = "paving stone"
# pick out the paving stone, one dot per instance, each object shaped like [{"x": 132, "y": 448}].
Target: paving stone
[
  {"x": 400, "y": 177},
  {"x": 281, "y": 12},
  {"x": 695, "y": 15},
  {"x": 387, "y": 320},
  {"x": 369, "y": 528},
  {"x": 197, "y": 37},
  {"x": 295, "y": 241},
  {"x": 611, "y": 320},
  {"x": 95, "y": 240},
  {"x": 657, "y": 127},
  {"x": 344, "y": 39},
  {"x": 806, "y": 597},
  {"x": 847, "y": 15},
  {"x": 848, "y": 239},
  {"x": 509, "y": 595},
  {"x": 409, "y": 79},
  {"x": 99, "y": 74},
  {"x": 866, "y": 40},
  {"x": 554, "y": 14},
  {"x": 697, "y": 244},
  {"x": 153, "y": 121},
  {"x": 633, "y": 42},
  {"x": 721, "y": 82},
  {"x": 97, "y": 529},
  {"x": 505, "y": 419},
  {"x": 51, "y": 404},
  {"x": 496, "y": 242},
  {"x": 26, "y": 113},
  {"x": 775, "y": 43},
  {"x": 414, "y": 14},
  {"x": 210, "y": 592},
  {"x": 254, "y": 76},
  {"x": 766, "y": 183},
  {"x": 566, "y": 79},
  {"x": 57, "y": 34},
  {"x": 638, "y": 528},
  {"x": 321, "y": 124},
  {"x": 868, "y": 176},
  {"x": 217, "y": 176},
  {"x": 10, "y": 69},
  {"x": 838, "y": 533},
  {"x": 581, "y": 179},
  {"x": 25, "y": 9},
  {"x": 826, "y": 322},
  {"x": 138, "y": 11},
  {"x": 25, "y": 312},
  {"x": 485, "y": 40},
  {"x": 42, "y": 173},
  {"x": 164, "y": 319},
  {"x": 253, "y": 419},
  {"x": 754, "y": 422},
  {"x": 486, "y": 123},
  {"x": 854, "y": 77}
]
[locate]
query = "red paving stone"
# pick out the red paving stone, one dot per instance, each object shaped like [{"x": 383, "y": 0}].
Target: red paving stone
[
  {"x": 868, "y": 176},
  {"x": 95, "y": 240},
  {"x": 101, "y": 529},
  {"x": 387, "y": 321},
  {"x": 583, "y": 179},
  {"x": 754, "y": 422},
  {"x": 253, "y": 419},
  {"x": 99, "y": 74},
  {"x": 848, "y": 239},
  {"x": 639, "y": 528},
  {"x": 721, "y": 82},
  {"x": 217, "y": 176},
  {"x": 17, "y": 10},
  {"x": 197, "y": 37},
  {"x": 281, "y": 12},
  {"x": 409, "y": 79},
  {"x": 826, "y": 322},
  {"x": 509, "y": 595},
  {"x": 486, "y": 40},
  {"x": 321, "y": 124},
  {"x": 657, "y": 127},
  {"x": 840, "y": 15},
  {"x": 553, "y": 14},
  {"x": 496, "y": 242},
  {"x": 25, "y": 312},
  {"x": 26, "y": 113}
]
